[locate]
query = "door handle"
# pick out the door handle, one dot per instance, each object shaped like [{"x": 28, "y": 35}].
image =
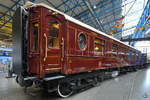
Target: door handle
[
  {"x": 45, "y": 47},
  {"x": 62, "y": 58}
]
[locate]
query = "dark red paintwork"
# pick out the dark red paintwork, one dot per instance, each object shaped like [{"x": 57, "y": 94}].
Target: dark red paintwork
[{"x": 69, "y": 58}]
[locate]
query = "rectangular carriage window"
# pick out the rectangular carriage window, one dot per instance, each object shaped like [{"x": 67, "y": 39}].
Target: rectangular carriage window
[
  {"x": 114, "y": 49},
  {"x": 99, "y": 45},
  {"x": 53, "y": 35},
  {"x": 126, "y": 51},
  {"x": 35, "y": 34}
]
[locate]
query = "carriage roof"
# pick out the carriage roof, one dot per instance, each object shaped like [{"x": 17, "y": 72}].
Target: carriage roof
[{"x": 69, "y": 18}]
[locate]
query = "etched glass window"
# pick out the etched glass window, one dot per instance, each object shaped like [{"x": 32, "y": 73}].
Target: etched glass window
[{"x": 82, "y": 41}]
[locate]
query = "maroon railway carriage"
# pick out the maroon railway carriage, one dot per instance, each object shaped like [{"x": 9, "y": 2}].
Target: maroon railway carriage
[{"x": 50, "y": 47}]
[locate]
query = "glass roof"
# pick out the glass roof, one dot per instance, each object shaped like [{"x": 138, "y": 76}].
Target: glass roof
[{"x": 132, "y": 13}]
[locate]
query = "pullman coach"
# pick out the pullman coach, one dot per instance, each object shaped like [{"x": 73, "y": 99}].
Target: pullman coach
[{"x": 59, "y": 53}]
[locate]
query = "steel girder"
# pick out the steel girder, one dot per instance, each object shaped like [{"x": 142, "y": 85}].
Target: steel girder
[
  {"x": 87, "y": 17},
  {"x": 99, "y": 11},
  {"x": 144, "y": 19},
  {"x": 6, "y": 7},
  {"x": 94, "y": 14},
  {"x": 83, "y": 15},
  {"x": 90, "y": 14},
  {"x": 4, "y": 18},
  {"x": 100, "y": 14},
  {"x": 8, "y": 15},
  {"x": 72, "y": 5}
]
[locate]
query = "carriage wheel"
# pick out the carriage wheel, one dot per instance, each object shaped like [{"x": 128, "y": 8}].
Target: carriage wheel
[{"x": 64, "y": 89}]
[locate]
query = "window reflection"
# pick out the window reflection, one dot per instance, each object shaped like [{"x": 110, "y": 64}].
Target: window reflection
[
  {"x": 53, "y": 35},
  {"x": 99, "y": 46},
  {"x": 35, "y": 36}
]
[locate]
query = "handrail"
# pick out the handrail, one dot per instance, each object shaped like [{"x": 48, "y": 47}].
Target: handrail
[
  {"x": 62, "y": 49},
  {"x": 45, "y": 47}
]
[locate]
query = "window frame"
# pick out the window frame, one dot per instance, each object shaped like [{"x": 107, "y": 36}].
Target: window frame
[
  {"x": 31, "y": 36},
  {"x": 58, "y": 34},
  {"x": 116, "y": 49},
  {"x": 100, "y": 44},
  {"x": 86, "y": 42}
]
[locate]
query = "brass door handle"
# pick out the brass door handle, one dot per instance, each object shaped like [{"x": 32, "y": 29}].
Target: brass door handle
[{"x": 45, "y": 47}]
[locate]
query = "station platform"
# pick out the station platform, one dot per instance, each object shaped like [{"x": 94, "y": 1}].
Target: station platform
[{"x": 131, "y": 86}]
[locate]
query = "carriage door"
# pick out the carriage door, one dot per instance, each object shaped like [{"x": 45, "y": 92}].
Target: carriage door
[{"x": 53, "y": 51}]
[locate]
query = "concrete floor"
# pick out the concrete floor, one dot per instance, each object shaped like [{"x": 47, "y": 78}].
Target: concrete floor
[{"x": 132, "y": 86}]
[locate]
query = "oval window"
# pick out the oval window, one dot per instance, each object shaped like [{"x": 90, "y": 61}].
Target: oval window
[{"x": 82, "y": 41}]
